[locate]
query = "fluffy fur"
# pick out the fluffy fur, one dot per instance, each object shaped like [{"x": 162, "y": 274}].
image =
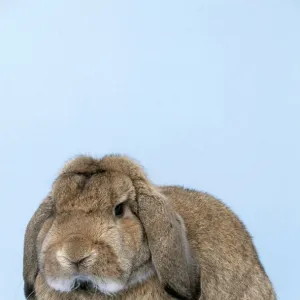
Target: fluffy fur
[{"x": 165, "y": 242}]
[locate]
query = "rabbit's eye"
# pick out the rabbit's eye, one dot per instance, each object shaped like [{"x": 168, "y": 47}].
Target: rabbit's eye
[{"x": 119, "y": 210}]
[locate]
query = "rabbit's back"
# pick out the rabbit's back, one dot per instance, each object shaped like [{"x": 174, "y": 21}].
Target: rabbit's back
[{"x": 230, "y": 266}]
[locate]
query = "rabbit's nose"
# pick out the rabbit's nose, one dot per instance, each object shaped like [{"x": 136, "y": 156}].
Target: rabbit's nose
[
  {"x": 66, "y": 261},
  {"x": 78, "y": 261},
  {"x": 76, "y": 250}
]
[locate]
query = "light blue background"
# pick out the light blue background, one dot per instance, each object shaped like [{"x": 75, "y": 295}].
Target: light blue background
[{"x": 203, "y": 93}]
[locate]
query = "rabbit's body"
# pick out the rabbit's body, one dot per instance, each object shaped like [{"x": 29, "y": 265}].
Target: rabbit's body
[
  {"x": 230, "y": 267},
  {"x": 185, "y": 231}
]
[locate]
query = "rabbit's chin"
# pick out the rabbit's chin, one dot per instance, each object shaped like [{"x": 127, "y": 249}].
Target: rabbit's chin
[{"x": 106, "y": 286}]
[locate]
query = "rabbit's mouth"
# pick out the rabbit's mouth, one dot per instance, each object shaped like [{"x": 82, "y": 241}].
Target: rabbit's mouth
[{"x": 83, "y": 285}]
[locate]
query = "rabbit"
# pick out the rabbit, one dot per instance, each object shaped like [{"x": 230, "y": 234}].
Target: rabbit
[{"x": 105, "y": 231}]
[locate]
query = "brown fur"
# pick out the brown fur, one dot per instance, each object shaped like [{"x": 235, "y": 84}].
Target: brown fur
[{"x": 172, "y": 233}]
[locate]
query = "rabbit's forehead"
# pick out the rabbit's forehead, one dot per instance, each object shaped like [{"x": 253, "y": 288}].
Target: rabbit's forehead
[{"x": 99, "y": 192}]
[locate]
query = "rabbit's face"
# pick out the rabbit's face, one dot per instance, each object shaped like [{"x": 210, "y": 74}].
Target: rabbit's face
[{"x": 94, "y": 236}]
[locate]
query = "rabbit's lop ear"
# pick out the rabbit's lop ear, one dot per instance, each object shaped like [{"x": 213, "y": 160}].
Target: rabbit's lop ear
[
  {"x": 172, "y": 257},
  {"x": 30, "y": 258}
]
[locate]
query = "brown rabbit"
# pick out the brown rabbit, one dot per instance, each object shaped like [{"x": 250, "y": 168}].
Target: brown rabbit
[{"x": 106, "y": 232}]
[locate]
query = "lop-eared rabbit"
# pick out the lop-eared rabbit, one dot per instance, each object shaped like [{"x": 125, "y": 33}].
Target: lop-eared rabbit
[{"x": 106, "y": 232}]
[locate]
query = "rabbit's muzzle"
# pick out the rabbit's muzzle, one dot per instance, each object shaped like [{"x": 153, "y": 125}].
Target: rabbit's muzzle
[{"x": 77, "y": 253}]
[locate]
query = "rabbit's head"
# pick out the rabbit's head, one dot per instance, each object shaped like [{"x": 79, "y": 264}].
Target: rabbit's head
[{"x": 105, "y": 225}]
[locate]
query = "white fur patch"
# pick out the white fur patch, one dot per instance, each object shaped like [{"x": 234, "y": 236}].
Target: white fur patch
[
  {"x": 106, "y": 286},
  {"x": 109, "y": 286},
  {"x": 61, "y": 285}
]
